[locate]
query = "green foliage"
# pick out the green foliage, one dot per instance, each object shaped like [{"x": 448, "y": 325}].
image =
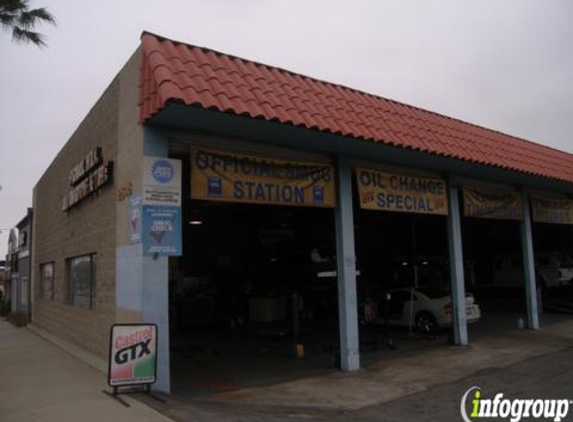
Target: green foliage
[
  {"x": 5, "y": 308},
  {"x": 17, "y": 17}
]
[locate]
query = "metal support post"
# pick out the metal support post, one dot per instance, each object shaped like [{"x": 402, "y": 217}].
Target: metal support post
[
  {"x": 346, "y": 267},
  {"x": 529, "y": 264},
  {"x": 457, "y": 269}
]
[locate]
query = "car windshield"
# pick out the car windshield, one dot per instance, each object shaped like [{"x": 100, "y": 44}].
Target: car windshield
[{"x": 433, "y": 293}]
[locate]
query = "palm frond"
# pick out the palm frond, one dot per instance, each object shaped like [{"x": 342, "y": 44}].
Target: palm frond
[
  {"x": 24, "y": 35},
  {"x": 16, "y": 16},
  {"x": 7, "y": 18},
  {"x": 30, "y": 18},
  {"x": 13, "y": 5}
]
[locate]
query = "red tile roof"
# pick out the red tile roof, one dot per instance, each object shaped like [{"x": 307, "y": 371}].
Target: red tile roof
[{"x": 196, "y": 76}]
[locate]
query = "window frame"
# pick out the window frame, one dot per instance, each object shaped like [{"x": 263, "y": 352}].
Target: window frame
[
  {"x": 43, "y": 281},
  {"x": 72, "y": 295}
]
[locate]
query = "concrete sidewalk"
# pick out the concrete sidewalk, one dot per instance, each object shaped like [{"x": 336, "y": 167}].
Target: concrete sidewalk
[{"x": 40, "y": 382}]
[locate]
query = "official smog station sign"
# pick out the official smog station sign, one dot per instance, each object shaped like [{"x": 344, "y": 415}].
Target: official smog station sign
[
  {"x": 87, "y": 177},
  {"x": 383, "y": 191},
  {"x": 552, "y": 210},
  {"x": 230, "y": 177},
  {"x": 132, "y": 355},
  {"x": 490, "y": 204},
  {"x": 160, "y": 207}
]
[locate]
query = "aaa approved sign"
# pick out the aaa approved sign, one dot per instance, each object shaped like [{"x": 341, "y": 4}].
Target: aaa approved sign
[{"x": 132, "y": 354}]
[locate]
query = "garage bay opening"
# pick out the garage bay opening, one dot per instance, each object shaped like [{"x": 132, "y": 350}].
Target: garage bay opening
[{"x": 253, "y": 299}]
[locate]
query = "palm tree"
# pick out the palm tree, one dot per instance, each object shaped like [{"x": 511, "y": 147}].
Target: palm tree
[{"x": 17, "y": 17}]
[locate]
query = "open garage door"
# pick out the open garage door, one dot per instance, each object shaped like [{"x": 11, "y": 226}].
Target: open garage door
[
  {"x": 253, "y": 299},
  {"x": 404, "y": 289}
]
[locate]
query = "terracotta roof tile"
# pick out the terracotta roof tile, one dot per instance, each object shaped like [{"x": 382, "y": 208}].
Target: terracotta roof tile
[{"x": 173, "y": 71}]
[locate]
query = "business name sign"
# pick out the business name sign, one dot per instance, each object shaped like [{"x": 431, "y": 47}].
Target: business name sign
[
  {"x": 230, "y": 177},
  {"x": 496, "y": 205},
  {"x": 161, "y": 207},
  {"x": 87, "y": 177},
  {"x": 383, "y": 191},
  {"x": 552, "y": 210},
  {"x": 132, "y": 354}
]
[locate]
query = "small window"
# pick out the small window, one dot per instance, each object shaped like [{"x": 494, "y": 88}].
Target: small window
[
  {"x": 47, "y": 280},
  {"x": 81, "y": 281}
]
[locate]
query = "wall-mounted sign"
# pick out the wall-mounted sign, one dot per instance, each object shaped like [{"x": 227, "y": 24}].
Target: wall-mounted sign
[
  {"x": 161, "y": 230},
  {"x": 230, "y": 177},
  {"x": 552, "y": 210},
  {"x": 161, "y": 181},
  {"x": 87, "y": 177},
  {"x": 132, "y": 354},
  {"x": 489, "y": 204},
  {"x": 383, "y": 191},
  {"x": 161, "y": 207},
  {"x": 135, "y": 219},
  {"x": 90, "y": 162}
]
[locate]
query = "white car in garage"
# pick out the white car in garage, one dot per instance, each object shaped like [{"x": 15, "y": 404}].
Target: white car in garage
[{"x": 426, "y": 309}]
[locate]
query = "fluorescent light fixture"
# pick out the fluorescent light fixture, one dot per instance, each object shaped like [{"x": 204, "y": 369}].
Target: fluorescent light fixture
[{"x": 196, "y": 222}]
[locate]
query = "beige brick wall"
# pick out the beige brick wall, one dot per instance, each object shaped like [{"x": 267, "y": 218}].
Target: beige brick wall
[{"x": 89, "y": 227}]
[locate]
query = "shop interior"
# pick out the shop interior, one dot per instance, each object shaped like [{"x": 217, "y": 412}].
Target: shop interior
[
  {"x": 261, "y": 281},
  {"x": 253, "y": 299}
]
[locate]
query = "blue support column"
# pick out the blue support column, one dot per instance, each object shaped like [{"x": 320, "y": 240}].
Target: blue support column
[
  {"x": 155, "y": 279},
  {"x": 346, "y": 267},
  {"x": 457, "y": 268},
  {"x": 529, "y": 264}
]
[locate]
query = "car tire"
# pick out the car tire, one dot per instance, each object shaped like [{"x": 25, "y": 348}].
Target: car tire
[{"x": 426, "y": 323}]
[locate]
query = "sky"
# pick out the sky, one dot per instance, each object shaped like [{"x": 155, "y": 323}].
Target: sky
[{"x": 503, "y": 64}]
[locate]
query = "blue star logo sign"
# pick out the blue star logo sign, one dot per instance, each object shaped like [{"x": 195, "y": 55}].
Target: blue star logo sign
[{"x": 162, "y": 171}]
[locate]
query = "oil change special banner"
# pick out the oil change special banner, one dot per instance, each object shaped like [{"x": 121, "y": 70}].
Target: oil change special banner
[
  {"x": 488, "y": 204},
  {"x": 552, "y": 210},
  {"x": 383, "y": 191},
  {"x": 231, "y": 177},
  {"x": 132, "y": 354}
]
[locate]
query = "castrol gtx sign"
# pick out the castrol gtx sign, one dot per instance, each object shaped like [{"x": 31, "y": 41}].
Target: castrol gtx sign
[{"x": 132, "y": 354}]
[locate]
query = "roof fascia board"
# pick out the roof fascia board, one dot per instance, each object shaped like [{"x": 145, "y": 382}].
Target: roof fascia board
[{"x": 184, "y": 117}]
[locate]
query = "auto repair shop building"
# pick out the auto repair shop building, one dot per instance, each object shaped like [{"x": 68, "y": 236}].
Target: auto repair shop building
[{"x": 131, "y": 219}]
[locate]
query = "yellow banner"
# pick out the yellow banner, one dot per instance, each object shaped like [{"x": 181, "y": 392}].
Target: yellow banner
[
  {"x": 402, "y": 193},
  {"x": 552, "y": 210},
  {"x": 230, "y": 177},
  {"x": 488, "y": 204}
]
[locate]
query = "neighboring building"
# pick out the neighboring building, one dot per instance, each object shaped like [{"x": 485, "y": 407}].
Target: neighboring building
[
  {"x": 2, "y": 280},
  {"x": 21, "y": 286},
  {"x": 151, "y": 212},
  {"x": 12, "y": 268}
]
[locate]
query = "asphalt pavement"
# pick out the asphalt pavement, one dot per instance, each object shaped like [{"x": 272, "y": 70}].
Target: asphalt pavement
[{"x": 41, "y": 382}]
